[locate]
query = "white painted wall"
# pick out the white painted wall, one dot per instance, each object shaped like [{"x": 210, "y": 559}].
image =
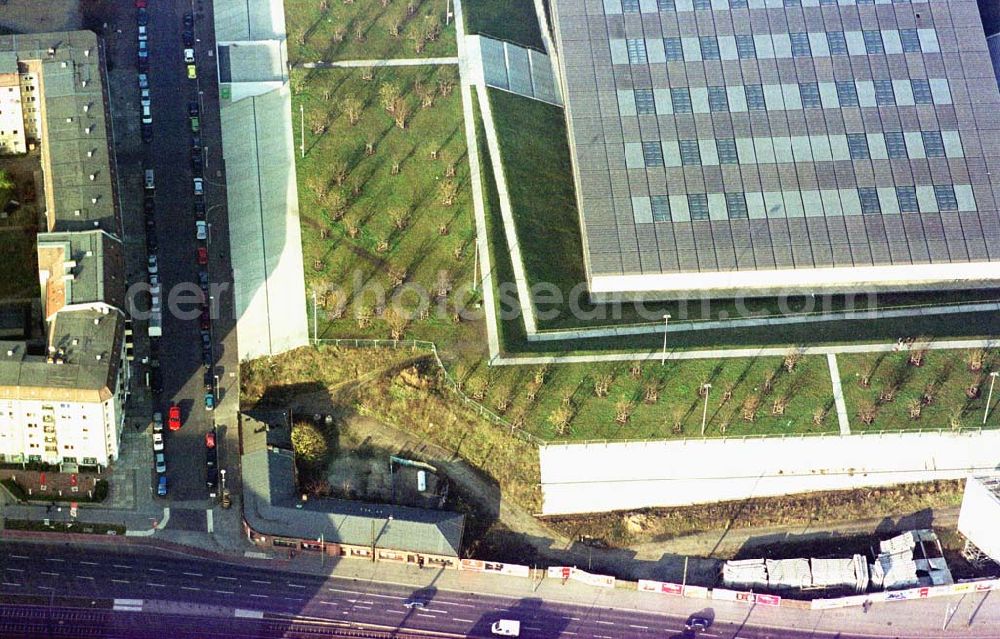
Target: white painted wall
[
  {"x": 578, "y": 478},
  {"x": 979, "y": 518}
]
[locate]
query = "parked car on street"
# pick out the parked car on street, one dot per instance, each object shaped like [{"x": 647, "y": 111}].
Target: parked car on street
[
  {"x": 201, "y": 230},
  {"x": 189, "y": 55},
  {"x": 161, "y": 486},
  {"x": 195, "y": 124},
  {"x": 202, "y": 255},
  {"x": 151, "y": 265},
  {"x": 157, "y": 442},
  {"x": 143, "y": 81},
  {"x": 142, "y": 16},
  {"x": 157, "y": 422},
  {"x": 174, "y": 417},
  {"x": 161, "y": 463},
  {"x": 192, "y": 108},
  {"x": 144, "y": 99},
  {"x": 192, "y": 72},
  {"x": 143, "y": 33},
  {"x": 199, "y": 186}
]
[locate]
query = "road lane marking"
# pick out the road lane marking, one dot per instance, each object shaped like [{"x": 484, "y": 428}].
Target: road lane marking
[
  {"x": 454, "y": 603},
  {"x": 462, "y": 620},
  {"x": 122, "y": 566},
  {"x": 605, "y": 623},
  {"x": 46, "y": 588},
  {"x": 642, "y": 627},
  {"x": 14, "y": 569},
  {"x": 193, "y": 574},
  {"x": 294, "y": 598},
  {"x": 120, "y": 581},
  {"x": 56, "y": 559},
  {"x": 260, "y": 581},
  {"x": 296, "y": 586},
  {"x": 190, "y": 588},
  {"x": 11, "y": 583},
  {"x": 433, "y": 610},
  {"x": 420, "y": 614},
  {"x": 18, "y": 556},
  {"x": 150, "y": 583},
  {"x": 226, "y": 578},
  {"x": 329, "y": 603},
  {"x": 372, "y": 594},
  {"x": 533, "y": 628},
  {"x": 567, "y": 632},
  {"x": 49, "y": 574},
  {"x": 157, "y": 570},
  {"x": 364, "y": 607},
  {"x": 574, "y": 618},
  {"x": 88, "y": 563},
  {"x": 225, "y": 592},
  {"x": 395, "y": 612},
  {"x": 83, "y": 577},
  {"x": 209, "y": 521},
  {"x": 603, "y": 637},
  {"x": 259, "y": 596}
]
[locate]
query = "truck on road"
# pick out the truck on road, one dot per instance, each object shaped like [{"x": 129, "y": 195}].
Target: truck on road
[{"x": 506, "y": 628}]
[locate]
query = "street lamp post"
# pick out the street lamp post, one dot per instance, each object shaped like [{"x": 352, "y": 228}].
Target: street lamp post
[
  {"x": 663, "y": 355},
  {"x": 704, "y": 412},
  {"x": 989, "y": 396},
  {"x": 222, "y": 474}
]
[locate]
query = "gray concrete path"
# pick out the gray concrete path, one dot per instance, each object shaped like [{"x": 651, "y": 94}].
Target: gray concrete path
[
  {"x": 476, "y": 183},
  {"x": 838, "y": 394},
  {"x": 397, "y": 62},
  {"x": 730, "y": 353}
]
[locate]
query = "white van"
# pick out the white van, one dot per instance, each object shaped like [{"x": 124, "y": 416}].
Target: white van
[
  {"x": 150, "y": 181},
  {"x": 506, "y": 628}
]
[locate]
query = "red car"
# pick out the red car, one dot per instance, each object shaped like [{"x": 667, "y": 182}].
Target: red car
[
  {"x": 140, "y": 4},
  {"x": 174, "y": 417},
  {"x": 209, "y": 439},
  {"x": 202, "y": 255}
]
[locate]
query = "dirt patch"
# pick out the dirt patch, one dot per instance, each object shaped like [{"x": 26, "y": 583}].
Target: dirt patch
[
  {"x": 355, "y": 477},
  {"x": 25, "y": 16}
]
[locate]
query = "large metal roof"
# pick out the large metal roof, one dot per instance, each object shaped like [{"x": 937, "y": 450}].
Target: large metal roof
[{"x": 852, "y": 141}]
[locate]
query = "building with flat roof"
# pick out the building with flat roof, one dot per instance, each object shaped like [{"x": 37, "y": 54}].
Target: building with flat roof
[
  {"x": 275, "y": 514},
  {"x": 752, "y": 147},
  {"x": 263, "y": 201},
  {"x": 62, "y": 401}
]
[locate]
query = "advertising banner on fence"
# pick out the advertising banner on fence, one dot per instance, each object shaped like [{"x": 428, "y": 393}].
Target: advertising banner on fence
[
  {"x": 647, "y": 585},
  {"x": 565, "y": 572},
  {"x": 495, "y": 567},
  {"x": 696, "y": 592}
]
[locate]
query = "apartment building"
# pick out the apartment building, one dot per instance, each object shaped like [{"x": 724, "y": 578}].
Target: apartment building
[{"x": 62, "y": 401}]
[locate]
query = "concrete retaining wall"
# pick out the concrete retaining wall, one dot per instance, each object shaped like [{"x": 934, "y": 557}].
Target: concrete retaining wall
[{"x": 578, "y": 478}]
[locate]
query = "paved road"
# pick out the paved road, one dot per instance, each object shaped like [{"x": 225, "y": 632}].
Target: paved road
[
  {"x": 169, "y": 155},
  {"x": 186, "y": 587}
]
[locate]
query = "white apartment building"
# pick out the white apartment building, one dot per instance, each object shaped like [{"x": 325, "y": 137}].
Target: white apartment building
[
  {"x": 66, "y": 406},
  {"x": 13, "y": 139}
]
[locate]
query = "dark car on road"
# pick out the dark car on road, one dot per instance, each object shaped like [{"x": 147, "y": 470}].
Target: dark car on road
[
  {"x": 193, "y": 109},
  {"x": 697, "y": 623}
]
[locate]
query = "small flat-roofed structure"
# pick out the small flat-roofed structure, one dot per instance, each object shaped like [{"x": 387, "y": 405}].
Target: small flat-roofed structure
[{"x": 730, "y": 147}]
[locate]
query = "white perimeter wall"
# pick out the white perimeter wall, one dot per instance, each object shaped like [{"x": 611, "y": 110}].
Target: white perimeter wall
[
  {"x": 979, "y": 519},
  {"x": 579, "y": 478}
]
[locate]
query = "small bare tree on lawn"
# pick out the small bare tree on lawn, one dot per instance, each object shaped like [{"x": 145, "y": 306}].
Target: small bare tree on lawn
[
  {"x": 502, "y": 398},
  {"x": 768, "y": 385},
  {"x": 352, "y": 227},
  {"x": 448, "y": 191},
  {"x": 363, "y": 317},
  {"x": 792, "y": 358},
  {"x": 635, "y": 369},
  {"x": 368, "y": 74},
  {"x": 727, "y": 393},
  {"x": 476, "y": 387},
  {"x": 865, "y": 378},
  {"x": 955, "y": 421},
  {"x": 395, "y": 26},
  {"x": 779, "y": 405},
  {"x": 930, "y": 392},
  {"x": 602, "y": 384},
  {"x": 559, "y": 418},
  {"x": 915, "y": 407},
  {"x": 750, "y": 407},
  {"x": 677, "y": 421},
  {"x": 972, "y": 390},
  {"x": 338, "y": 171},
  {"x": 888, "y": 394},
  {"x": 446, "y": 84},
  {"x": 539, "y": 374},
  {"x": 388, "y": 93},
  {"x": 918, "y": 352},
  {"x": 975, "y": 359},
  {"x": 397, "y": 275},
  {"x": 443, "y": 285},
  {"x": 651, "y": 391},
  {"x": 359, "y": 32},
  {"x": 400, "y": 218},
  {"x": 818, "y": 416},
  {"x": 425, "y": 94},
  {"x": 338, "y": 34},
  {"x": 401, "y": 113},
  {"x": 381, "y": 245},
  {"x": 867, "y": 411},
  {"x": 396, "y": 320},
  {"x": 352, "y": 107},
  {"x": 336, "y": 203},
  {"x": 623, "y": 410}
]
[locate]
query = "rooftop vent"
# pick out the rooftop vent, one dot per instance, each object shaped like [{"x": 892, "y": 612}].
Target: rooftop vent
[
  {"x": 68, "y": 120},
  {"x": 97, "y": 320},
  {"x": 76, "y": 342},
  {"x": 83, "y": 83},
  {"x": 77, "y": 211},
  {"x": 52, "y": 51},
  {"x": 99, "y": 356},
  {"x": 69, "y": 264},
  {"x": 63, "y": 64},
  {"x": 90, "y": 154},
  {"x": 93, "y": 200},
  {"x": 89, "y": 129},
  {"x": 93, "y": 176},
  {"x": 88, "y": 253},
  {"x": 86, "y": 53},
  {"x": 10, "y": 352},
  {"x": 86, "y": 108}
]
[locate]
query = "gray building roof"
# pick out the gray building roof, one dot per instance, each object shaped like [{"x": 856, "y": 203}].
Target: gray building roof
[
  {"x": 86, "y": 345},
  {"x": 75, "y": 144},
  {"x": 272, "y": 507},
  {"x": 750, "y": 136},
  {"x": 96, "y": 274}
]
